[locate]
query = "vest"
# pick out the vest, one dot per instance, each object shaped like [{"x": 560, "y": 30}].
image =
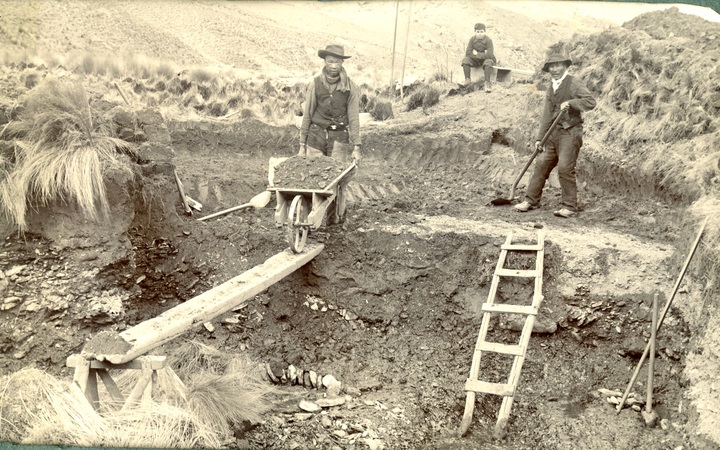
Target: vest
[
  {"x": 563, "y": 94},
  {"x": 331, "y": 108}
]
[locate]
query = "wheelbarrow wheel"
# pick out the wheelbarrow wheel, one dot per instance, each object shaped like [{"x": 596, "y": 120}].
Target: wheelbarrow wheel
[{"x": 296, "y": 232}]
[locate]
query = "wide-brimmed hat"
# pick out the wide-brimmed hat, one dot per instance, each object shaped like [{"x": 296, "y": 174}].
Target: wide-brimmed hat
[
  {"x": 556, "y": 58},
  {"x": 333, "y": 50}
]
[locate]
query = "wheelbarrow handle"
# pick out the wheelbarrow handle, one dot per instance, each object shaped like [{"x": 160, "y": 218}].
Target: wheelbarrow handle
[{"x": 535, "y": 153}]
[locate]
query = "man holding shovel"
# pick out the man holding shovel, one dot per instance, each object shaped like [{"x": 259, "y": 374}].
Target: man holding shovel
[
  {"x": 570, "y": 96},
  {"x": 331, "y": 111}
]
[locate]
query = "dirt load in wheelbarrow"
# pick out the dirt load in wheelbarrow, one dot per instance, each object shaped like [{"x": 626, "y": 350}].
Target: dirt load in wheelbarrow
[{"x": 308, "y": 189}]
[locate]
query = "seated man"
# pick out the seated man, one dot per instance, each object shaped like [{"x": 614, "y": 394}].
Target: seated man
[{"x": 484, "y": 55}]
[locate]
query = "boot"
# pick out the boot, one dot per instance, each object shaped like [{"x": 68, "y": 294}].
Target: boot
[{"x": 488, "y": 76}]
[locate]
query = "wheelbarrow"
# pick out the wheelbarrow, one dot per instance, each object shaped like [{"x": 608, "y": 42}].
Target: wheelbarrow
[{"x": 302, "y": 210}]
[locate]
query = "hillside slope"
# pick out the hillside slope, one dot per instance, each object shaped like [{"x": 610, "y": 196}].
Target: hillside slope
[{"x": 282, "y": 38}]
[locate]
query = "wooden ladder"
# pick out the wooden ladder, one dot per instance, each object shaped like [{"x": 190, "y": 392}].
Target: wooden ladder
[{"x": 507, "y": 390}]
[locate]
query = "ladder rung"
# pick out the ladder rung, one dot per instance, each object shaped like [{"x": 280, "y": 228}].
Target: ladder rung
[
  {"x": 531, "y": 247},
  {"x": 528, "y": 310},
  {"x": 504, "y": 390},
  {"x": 507, "y": 349},
  {"x": 516, "y": 273}
]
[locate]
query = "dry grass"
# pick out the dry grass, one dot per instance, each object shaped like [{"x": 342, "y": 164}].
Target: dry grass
[
  {"x": 62, "y": 155},
  {"x": 218, "y": 389}
]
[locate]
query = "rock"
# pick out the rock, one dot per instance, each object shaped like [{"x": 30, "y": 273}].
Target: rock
[
  {"x": 327, "y": 380},
  {"x": 330, "y": 402},
  {"x": 665, "y": 424},
  {"x": 369, "y": 385},
  {"x": 303, "y": 416},
  {"x": 352, "y": 391},
  {"x": 309, "y": 406},
  {"x": 334, "y": 388},
  {"x": 375, "y": 444},
  {"x": 543, "y": 325},
  {"x": 610, "y": 393},
  {"x": 14, "y": 270},
  {"x": 326, "y": 422},
  {"x": 208, "y": 326}
]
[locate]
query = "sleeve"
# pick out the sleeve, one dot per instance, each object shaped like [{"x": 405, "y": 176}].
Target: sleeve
[
  {"x": 354, "y": 114},
  {"x": 489, "y": 49},
  {"x": 582, "y": 97},
  {"x": 308, "y": 110},
  {"x": 469, "y": 49},
  {"x": 547, "y": 118}
]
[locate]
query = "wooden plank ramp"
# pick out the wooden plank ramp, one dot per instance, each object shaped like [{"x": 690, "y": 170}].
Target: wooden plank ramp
[{"x": 172, "y": 323}]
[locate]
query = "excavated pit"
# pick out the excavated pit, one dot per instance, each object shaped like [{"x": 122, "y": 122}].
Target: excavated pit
[{"x": 391, "y": 306}]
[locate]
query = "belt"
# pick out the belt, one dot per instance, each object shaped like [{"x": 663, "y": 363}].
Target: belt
[{"x": 336, "y": 127}]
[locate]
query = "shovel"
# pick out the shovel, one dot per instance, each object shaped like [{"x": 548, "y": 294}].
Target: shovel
[
  {"x": 259, "y": 201},
  {"x": 507, "y": 201}
]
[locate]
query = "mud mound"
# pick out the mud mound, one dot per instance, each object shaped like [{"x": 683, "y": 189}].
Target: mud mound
[
  {"x": 672, "y": 23},
  {"x": 665, "y": 81}
]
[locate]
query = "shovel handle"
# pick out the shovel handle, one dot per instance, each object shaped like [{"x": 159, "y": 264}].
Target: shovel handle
[
  {"x": 226, "y": 211},
  {"x": 535, "y": 153}
]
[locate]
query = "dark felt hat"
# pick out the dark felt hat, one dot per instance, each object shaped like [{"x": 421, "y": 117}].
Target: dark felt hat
[
  {"x": 333, "y": 50},
  {"x": 479, "y": 26},
  {"x": 556, "y": 58}
]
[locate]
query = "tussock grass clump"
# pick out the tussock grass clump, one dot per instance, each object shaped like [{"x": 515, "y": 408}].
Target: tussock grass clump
[
  {"x": 63, "y": 154},
  {"x": 191, "y": 409},
  {"x": 654, "y": 77},
  {"x": 425, "y": 97}
]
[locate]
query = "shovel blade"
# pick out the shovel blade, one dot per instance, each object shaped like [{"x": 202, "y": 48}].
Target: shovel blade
[
  {"x": 500, "y": 201},
  {"x": 261, "y": 200}
]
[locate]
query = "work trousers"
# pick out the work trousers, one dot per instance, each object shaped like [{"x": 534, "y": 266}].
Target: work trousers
[
  {"x": 324, "y": 140},
  {"x": 474, "y": 61},
  {"x": 561, "y": 149}
]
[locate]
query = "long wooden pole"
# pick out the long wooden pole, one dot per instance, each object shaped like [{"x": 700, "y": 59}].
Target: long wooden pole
[
  {"x": 662, "y": 317},
  {"x": 651, "y": 364},
  {"x": 407, "y": 37},
  {"x": 392, "y": 66}
]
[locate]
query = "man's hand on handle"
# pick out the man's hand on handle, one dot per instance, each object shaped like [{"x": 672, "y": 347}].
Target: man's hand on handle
[{"x": 539, "y": 148}]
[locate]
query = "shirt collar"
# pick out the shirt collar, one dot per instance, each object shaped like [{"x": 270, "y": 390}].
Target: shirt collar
[{"x": 556, "y": 83}]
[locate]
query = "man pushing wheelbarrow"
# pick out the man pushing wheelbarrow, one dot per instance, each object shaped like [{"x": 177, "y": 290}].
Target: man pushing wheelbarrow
[{"x": 331, "y": 111}]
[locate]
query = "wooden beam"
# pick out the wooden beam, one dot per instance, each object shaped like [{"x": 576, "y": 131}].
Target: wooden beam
[
  {"x": 111, "y": 386},
  {"x": 172, "y": 323},
  {"x": 139, "y": 389},
  {"x": 155, "y": 362}
]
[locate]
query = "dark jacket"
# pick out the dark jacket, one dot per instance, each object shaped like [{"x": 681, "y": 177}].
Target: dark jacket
[
  {"x": 483, "y": 45},
  {"x": 578, "y": 96}
]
